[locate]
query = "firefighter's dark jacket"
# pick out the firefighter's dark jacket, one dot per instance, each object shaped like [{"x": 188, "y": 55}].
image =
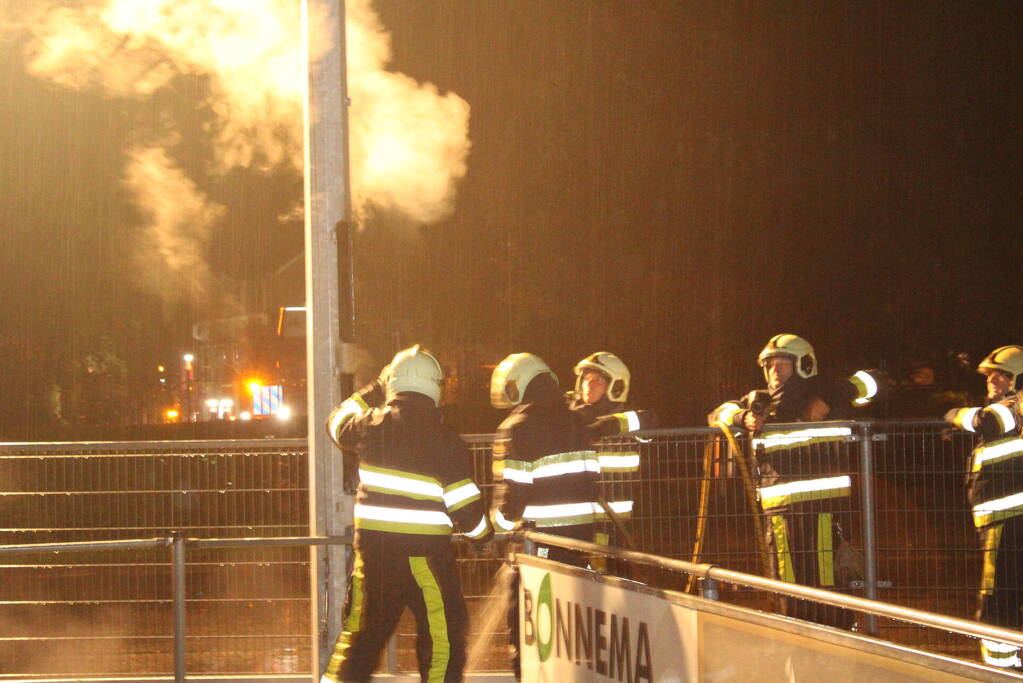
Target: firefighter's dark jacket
[
  {"x": 796, "y": 464},
  {"x": 788, "y": 403},
  {"x": 994, "y": 480},
  {"x": 791, "y": 402},
  {"x": 415, "y": 473},
  {"x": 545, "y": 465}
]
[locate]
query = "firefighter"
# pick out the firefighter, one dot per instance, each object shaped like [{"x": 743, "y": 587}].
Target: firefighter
[
  {"x": 415, "y": 486},
  {"x": 545, "y": 468},
  {"x": 994, "y": 485},
  {"x": 602, "y": 383},
  {"x": 802, "y": 475}
]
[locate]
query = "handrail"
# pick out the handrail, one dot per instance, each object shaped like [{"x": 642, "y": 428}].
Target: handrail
[
  {"x": 72, "y": 546},
  {"x": 299, "y": 442},
  {"x": 767, "y": 428},
  {"x": 145, "y": 447},
  {"x": 166, "y": 542},
  {"x": 714, "y": 573}
]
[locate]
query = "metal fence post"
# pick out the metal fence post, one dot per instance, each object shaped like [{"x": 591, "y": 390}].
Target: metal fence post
[
  {"x": 178, "y": 558},
  {"x": 868, "y": 502},
  {"x": 392, "y": 653}
]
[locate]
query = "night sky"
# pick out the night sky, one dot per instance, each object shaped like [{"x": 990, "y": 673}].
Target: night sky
[{"x": 673, "y": 182}]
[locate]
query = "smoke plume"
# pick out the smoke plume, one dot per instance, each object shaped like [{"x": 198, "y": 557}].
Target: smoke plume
[
  {"x": 408, "y": 142},
  {"x": 178, "y": 220}
]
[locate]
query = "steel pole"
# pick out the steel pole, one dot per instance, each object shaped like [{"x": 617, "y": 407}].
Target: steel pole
[
  {"x": 867, "y": 501},
  {"x": 178, "y": 562},
  {"x": 327, "y": 358}
]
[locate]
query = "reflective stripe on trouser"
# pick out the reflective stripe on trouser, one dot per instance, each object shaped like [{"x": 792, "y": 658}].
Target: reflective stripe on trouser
[
  {"x": 999, "y": 654},
  {"x": 384, "y": 581},
  {"x": 598, "y": 563},
  {"x": 1000, "y": 597},
  {"x": 804, "y": 490},
  {"x": 822, "y": 548},
  {"x": 803, "y": 548}
]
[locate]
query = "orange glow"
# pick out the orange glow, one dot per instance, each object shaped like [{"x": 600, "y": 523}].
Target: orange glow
[
  {"x": 171, "y": 414},
  {"x": 254, "y": 385}
]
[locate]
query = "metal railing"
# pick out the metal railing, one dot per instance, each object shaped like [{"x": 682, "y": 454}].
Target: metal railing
[
  {"x": 909, "y": 542},
  {"x": 908, "y": 538},
  {"x": 178, "y": 546},
  {"x": 709, "y": 575}
]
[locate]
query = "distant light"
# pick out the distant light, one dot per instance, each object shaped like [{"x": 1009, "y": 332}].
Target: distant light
[
  {"x": 268, "y": 400},
  {"x": 159, "y": 368},
  {"x": 254, "y": 386},
  {"x": 283, "y": 413},
  {"x": 222, "y": 408},
  {"x": 245, "y": 415},
  {"x": 211, "y": 403},
  {"x": 188, "y": 358},
  {"x": 171, "y": 414}
]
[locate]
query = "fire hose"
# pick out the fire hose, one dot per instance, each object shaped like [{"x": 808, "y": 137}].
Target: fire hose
[
  {"x": 630, "y": 542},
  {"x": 749, "y": 488}
]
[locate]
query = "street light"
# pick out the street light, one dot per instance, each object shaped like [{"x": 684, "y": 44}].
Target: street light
[{"x": 188, "y": 382}]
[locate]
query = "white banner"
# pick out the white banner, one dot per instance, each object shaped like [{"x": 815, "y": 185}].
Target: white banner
[{"x": 575, "y": 628}]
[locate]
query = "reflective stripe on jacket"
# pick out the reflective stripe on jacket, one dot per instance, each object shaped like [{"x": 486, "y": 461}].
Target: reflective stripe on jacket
[
  {"x": 994, "y": 481},
  {"x": 414, "y": 472},
  {"x": 545, "y": 467}
]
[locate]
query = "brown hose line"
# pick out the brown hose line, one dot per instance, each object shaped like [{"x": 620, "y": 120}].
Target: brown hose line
[
  {"x": 702, "y": 510},
  {"x": 754, "y": 506}
]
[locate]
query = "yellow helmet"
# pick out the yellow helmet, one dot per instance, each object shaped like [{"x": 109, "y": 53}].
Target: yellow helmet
[
  {"x": 413, "y": 370},
  {"x": 791, "y": 346},
  {"x": 509, "y": 381},
  {"x": 1007, "y": 359},
  {"x": 612, "y": 367}
]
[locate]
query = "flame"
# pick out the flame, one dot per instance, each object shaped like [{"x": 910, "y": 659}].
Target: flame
[{"x": 408, "y": 142}]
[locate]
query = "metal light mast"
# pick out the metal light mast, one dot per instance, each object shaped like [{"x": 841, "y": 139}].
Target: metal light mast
[{"x": 328, "y": 307}]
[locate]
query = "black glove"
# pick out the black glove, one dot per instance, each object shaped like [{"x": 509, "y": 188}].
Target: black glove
[
  {"x": 482, "y": 544},
  {"x": 648, "y": 419},
  {"x": 373, "y": 393}
]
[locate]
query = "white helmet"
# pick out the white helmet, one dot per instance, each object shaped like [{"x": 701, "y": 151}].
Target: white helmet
[
  {"x": 1007, "y": 359},
  {"x": 413, "y": 370},
  {"x": 512, "y": 376},
  {"x": 791, "y": 346},
  {"x": 612, "y": 367}
]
